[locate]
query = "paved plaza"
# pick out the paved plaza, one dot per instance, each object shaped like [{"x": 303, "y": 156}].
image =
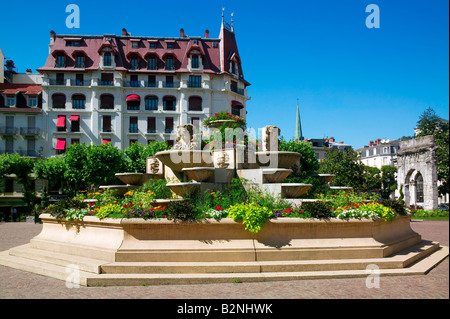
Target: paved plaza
[{"x": 16, "y": 284}]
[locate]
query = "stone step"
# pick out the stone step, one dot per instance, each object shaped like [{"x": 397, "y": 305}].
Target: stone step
[
  {"x": 397, "y": 261},
  {"x": 59, "y": 259},
  {"x": 45, "y": 269},
  {"x": 419, "y": 268}
]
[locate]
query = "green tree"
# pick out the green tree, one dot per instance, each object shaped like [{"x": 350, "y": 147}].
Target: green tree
[
  {"x": 372, "y": 179},
  {"x": 347, "y": 167},
  {"x": 76, "y": 170},
  {"x": 308, "y": 161},
  {"x": 22, "y": 167},
  {"x": 388, "y": 180},
  {"x": 53, "y": 170},
  {"x": 136, "y": 155},
  {"x": 429, "y": 123}
]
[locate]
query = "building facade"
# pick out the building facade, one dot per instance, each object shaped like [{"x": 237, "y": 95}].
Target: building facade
[
  {"x": 125, "y": 89},
  {"x": 379, "y": 153}
]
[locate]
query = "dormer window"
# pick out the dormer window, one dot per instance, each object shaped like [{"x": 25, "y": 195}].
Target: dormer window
[
  {"x": 134, "y": 63},
  {"x": 72, "y": 43},
  {"x": 80, "y": 62},
  {"x": 60, "y": 61},
  {"x": 194, "y": 62},
  {"x": 233, "y": 67},
  {"x": 152, "y": 45},
  {"x": 169, "y": 45},
  {"x": 135, "y": 44},
  {"x": 169, "y": 64},
  {"x": 107, "y": 59},
  {"x": 152, "y": 63}
]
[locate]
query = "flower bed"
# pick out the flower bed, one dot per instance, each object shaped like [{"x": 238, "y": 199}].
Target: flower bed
[{"x": 225, "y": 116}]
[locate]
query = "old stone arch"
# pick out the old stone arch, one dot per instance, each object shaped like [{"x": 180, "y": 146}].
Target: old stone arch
[{"x": 417, "y": 172}]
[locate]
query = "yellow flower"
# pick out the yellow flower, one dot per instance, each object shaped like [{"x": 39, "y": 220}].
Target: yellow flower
[{"x": 129, "y": 193}]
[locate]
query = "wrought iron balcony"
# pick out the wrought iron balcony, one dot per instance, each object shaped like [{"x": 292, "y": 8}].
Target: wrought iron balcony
[{"x": 30, "y": 131}]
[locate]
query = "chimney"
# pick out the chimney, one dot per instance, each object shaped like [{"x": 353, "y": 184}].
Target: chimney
[
  {"x": 371, "y": 143},
  {"x": 28, "y": 70},
  {"x": 52, "y": 37},
  {"x": 332, "y": 139},
  {"x": 206, "y": 34},
  {"x": 378, "y": 141},
  {"x": 124, "y": 31},
  {"x": 181, "y": 33}
]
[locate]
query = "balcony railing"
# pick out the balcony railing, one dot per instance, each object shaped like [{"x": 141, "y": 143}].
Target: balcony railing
[
  {"x": 80, "y": 65},
  {"x": 151, "y": 84},
  {"x": 133, "y": 130},
  {"x": 31, "y": 153},
  {"x": 168, "y": 130},
  {"x": 194, "y": 84},
  {"x": 80, "y": 82},
  {"x": 237, "y": 90},
  {"x": 151, "y": 131},
  {"x": 57, "y": 82},
  {"x": 9, "y": 130},
  {"x": 107, "y": 130},
  {"x": 105, "y": 82},
  {"x": 30, "y": 131},
  {"x": 133, "y": 84},
  {"x": 171, "y": 84}
]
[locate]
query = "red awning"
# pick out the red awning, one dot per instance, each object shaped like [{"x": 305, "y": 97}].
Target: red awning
[
  {"x": 106, "y": 141},
  {"x": 133, "y": 97},
  {"x": 237, "y": 104},
  {"x": 74, "y": 117},
  {"x": 61, "y": 144},
  {"x": 61, "y": 122}
]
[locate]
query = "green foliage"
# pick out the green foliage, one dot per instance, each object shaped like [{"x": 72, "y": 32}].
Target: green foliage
[
  {"x": 110, "y": 210},
  {"x": 372, "y": 179},
  {"x": 309, "y": 161},
  {"x": 136, "y": 155},
  {"x": 181, "y": 210},
  {"x": 103, "y": 162},
  {"x": 388, "y": 180},
  {"x": 158, "y": 187},
  {"x": 225, "y": 116},
  {"x": 397, "y": 205},
  {"x": 347, "y": 167},
  {"x": 253, "y": 216},
  {"x": 59, "y": 209},
  {"x": 318, "y": 209},
  {"x": 53, "y": 170}
]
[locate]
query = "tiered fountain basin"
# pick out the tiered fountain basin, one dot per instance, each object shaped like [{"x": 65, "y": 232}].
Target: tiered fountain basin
[
  {"x": 294, "y": 190},
  {"x": 184, "y": 189},
  {"x": 118, "y": 190},
  {"x": 275, "y": 175},
  {"x": 324, "y": 178},
  {"x": 131, "y": 178},
  {"x": 341, "y": 188},
  {"x": 176, "y": 160},
  {"x": 282, "y": 159},
  {"x": 200, "y": 174}
]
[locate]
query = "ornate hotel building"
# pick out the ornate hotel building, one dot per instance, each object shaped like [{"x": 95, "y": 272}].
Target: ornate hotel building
[{"x": 124, "y": 89}]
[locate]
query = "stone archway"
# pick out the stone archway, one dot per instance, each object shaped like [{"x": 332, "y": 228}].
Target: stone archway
[{"x": 416, "y": 161}]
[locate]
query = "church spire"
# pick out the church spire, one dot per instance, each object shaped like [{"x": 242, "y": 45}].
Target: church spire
[{"x": 298, "y": 126}]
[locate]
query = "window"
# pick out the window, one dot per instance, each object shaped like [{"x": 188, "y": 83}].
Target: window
[
  {"x": 60, "y": 61},
  {"x": 134, "y": 82},
  {"x": 233, "y": 67},
  {"x": 78, "y": 101},
  {"x": 133, "y": 102},
  {"x": 169, "y": 64},
  {"x": 74, "y": 141},
  {"x": 61, "y": 123},
  {"x": 194, "y": 62},
  {"x": 195, "y": 103},
  {"x": 75, "y": 123},
  {"x": 235, "y": 111},
  {"x": 59, "y": 78},
  {"x": 169, "y": 81},
  {"x": 152, "y": 45},
  {"x": 169, "y": 143},
  {"x": 10, "y": 100},
  {"x": 9, "y": 185},
  {"x": 195, "y": 81},
  {"x": 215, "y": 45},
  {"x": 169, "y": 125},
  {"x": 135, "y": 44},
  {"x": 107, "y": 79},
  {"x": 79, "y": 79},
  {"x": 169, "y": 45},
  {"x": 59, "y": 100},
  {"x": 234, "y": 86},
  {"x": 195, "y": 121},
  {"x": 106, "y": 101},
  {"x": 106, "y": 123},
  {"x": 134, "y": 63},
  {"x": 133, "y": 141},
  {"x": 107, "y": 59},
  {"x": 151, "y": 125},
  {"x": 151, "y": 103},
  {"x": 133, "y": 125},
  {"x": 32, "y": 101},
  {"x": 169, "y": 103},
  {"x": 72, "y": 43},
  {"x": 385, "y": 150},
  {"x": 419, "y": 188},
  {"x": 80, "y": 61},
  {"x": 152, "y": 81},
  {"x": 60, "y": 145},
  {"x": 106, "y": 141},
  {"x": 152, "y": 63}
]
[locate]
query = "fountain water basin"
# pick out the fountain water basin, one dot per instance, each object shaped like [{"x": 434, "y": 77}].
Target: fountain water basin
[
  {"x": 179, "y": 159},
  {"x": 294, "y": 190},
  {"x": 282, "y": 159},
  {"x": 184, "y": 189},
  {"x": 200, "y": 174},
  {"x": 275, "y": 175}
]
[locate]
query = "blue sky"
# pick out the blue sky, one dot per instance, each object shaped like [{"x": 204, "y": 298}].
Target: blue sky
[{"x": 353, "y": 83}]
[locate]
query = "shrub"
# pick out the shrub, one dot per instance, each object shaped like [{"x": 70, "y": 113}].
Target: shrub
[
  {"x": 318, "y": 209},
  {"x": 158, "y": 187},
  {"x": 396, "y": 205},
  {"x": 109, "y": 210},
  {"x": 59, "y": 209},
  {"x": 253, "y": 216},
  {"x": 179, "y": 210}
]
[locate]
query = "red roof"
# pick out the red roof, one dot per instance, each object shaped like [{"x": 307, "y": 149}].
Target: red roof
[
  {"x": 211, "y": 50},
  {"x": 11, "y": 88}
]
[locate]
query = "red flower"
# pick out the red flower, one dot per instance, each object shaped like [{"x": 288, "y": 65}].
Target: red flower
[{"x": 219, "y": 208}]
